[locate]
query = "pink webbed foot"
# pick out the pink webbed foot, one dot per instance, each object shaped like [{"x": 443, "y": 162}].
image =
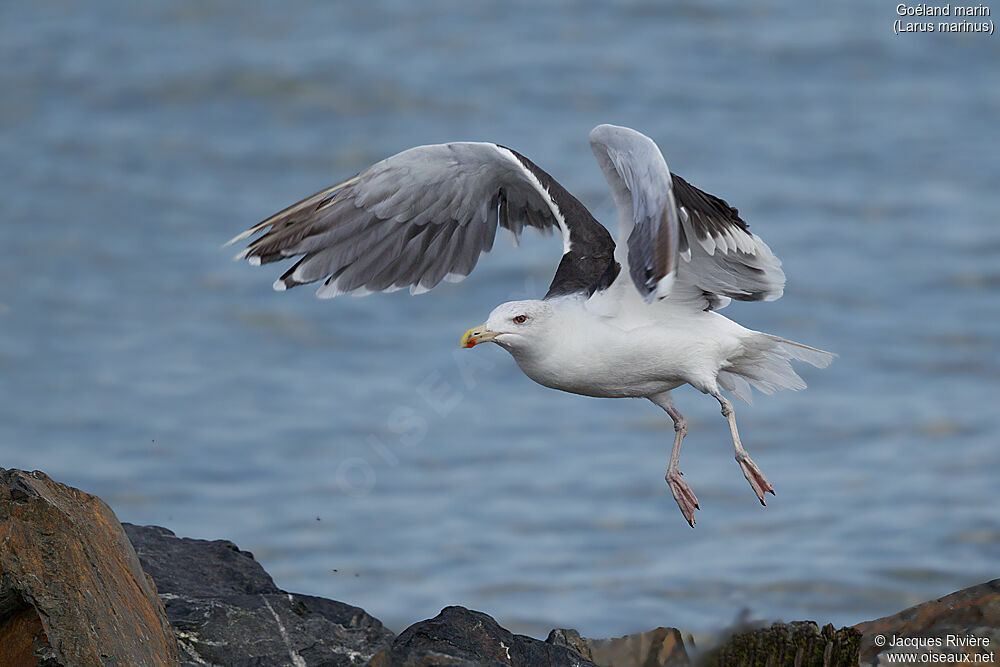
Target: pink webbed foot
[
  {"x": 686, "y": 500},
  {"x": 758, "y": 482}
]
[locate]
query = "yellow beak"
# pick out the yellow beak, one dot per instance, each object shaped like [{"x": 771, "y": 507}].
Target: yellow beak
[{"x": 475, "y": 335}]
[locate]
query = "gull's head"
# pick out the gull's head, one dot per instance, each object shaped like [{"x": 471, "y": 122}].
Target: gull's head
[{"x": 513, "y": 325}]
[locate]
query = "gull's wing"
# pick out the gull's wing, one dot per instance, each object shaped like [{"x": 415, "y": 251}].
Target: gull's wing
[
  {"x": 680, "y": 240},
  {"x": 426, "y": 215}
]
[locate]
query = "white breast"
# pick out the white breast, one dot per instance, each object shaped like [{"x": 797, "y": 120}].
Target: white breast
[{"x": 584, "y": 353}]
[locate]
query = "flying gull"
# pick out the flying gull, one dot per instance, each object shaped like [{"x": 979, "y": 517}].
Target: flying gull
[{"x": 633, "y": 320}]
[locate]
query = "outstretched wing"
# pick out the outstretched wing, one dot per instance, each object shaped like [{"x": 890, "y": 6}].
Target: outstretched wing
[
  {"x": 415, "y": 219},
  {"x": 680, "y": 240}
]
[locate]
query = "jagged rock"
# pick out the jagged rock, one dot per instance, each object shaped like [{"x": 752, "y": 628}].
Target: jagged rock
[
  {"x": 72, "y": 591},
  {"x": 458, "y": 636},
  {"x": 972, "y": 613},
  {"x": 662, "y": 647},
  {"x": 798, "y": 643},
  {"x": 227, "y": 610},
  {"x": 572, "y": 640}
]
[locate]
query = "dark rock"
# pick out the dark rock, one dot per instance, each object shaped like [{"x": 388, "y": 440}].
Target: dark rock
[
  {"x": 971, "y": 612},
  {"x": 72, "y": 591},
  {"x": 197, "y": 568},
  {"x": 458, "y": 636},
  {"x": 798, "y": 643},
  {"x": 226, "y": 609},
  {"x": 572, "y": 640},
  {"x": 662, "y": 647}
]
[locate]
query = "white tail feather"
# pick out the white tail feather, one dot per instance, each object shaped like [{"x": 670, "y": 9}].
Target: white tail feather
[{"x": 765, "y": 365}]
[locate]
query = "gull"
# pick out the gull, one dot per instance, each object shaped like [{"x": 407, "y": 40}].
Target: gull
[{"x": 636, "y": 319}]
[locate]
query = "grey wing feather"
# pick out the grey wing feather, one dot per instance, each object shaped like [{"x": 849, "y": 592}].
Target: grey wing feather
[
  {"x": 412, "y": 220},
  {"x": 681, "y": 241},
  {"x": 647, "y": 214}
]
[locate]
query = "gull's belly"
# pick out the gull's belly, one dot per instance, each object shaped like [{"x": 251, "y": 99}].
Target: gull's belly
[{"x": 619, "y": 364}]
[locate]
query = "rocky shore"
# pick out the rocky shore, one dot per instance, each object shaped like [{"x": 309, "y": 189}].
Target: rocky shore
[{"x": 79, "y": 588}]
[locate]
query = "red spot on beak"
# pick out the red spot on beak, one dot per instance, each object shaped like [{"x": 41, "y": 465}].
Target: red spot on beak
[{"x": 471, "y": 343}]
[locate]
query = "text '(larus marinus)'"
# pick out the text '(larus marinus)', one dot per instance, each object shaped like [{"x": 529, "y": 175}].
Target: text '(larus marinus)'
[{"x": 634, "y": 320}]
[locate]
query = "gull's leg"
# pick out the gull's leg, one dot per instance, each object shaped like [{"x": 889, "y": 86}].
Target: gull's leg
[
  {"x": 686, "y": 500},
  {"x": 758, "y": 482}
]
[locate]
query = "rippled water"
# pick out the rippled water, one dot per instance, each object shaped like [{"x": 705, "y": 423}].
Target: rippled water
[{"x": 139, "y": 363}]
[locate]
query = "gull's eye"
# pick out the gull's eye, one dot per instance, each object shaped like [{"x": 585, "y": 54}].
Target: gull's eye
[{"x": 520, "y": 319}]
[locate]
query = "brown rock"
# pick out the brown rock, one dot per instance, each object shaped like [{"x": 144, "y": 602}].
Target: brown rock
[
  {"x": 969, "y": 613},
  {"x": 72, "y": 591},
  {"x": 662, "y": 647},
  {"x": 23, "y": 640}
]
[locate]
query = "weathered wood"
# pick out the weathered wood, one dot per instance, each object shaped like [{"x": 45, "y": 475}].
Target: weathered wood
[{"x": 798, "y": 644}]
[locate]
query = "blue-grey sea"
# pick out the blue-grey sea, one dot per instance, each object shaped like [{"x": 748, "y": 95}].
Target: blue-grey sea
[{"x": 357, "y": 452}]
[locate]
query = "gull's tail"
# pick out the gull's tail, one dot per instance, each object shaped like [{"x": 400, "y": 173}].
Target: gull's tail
[{"x": 765, "y": 364}]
